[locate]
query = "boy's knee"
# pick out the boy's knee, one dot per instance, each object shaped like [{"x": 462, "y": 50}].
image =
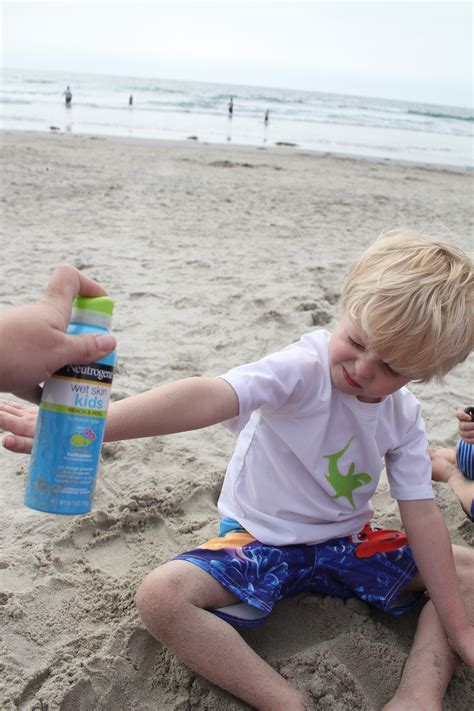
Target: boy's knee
[{"x": 158, "y": 600}]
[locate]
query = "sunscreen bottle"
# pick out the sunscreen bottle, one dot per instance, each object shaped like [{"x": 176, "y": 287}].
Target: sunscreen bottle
[{"x": 71, "y": 422}]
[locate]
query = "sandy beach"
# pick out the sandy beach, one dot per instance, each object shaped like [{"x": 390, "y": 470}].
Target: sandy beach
[{"x": 215, "y": 256}]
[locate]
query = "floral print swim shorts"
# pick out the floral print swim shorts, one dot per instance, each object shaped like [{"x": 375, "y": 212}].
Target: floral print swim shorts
[{"x": 374, "y": 566}]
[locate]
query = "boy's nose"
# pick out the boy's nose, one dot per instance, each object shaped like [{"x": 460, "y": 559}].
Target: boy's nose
[{"x": 365, "y": 367}]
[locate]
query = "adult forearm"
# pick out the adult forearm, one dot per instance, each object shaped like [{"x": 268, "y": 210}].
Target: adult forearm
[{"x": 175, "y": 407}]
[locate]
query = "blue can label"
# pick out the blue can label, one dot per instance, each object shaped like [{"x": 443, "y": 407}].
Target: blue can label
[{"x": 68, "y": 439}]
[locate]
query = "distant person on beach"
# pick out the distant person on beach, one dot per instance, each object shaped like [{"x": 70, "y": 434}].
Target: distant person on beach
[
  {"x": 33, "y": 339},
  {"x": 231, "y": 107},
  {"x": 67, "y": 93},
  {"x": 316, "y": 423},
  {"x": 456, "y": 466},
  {"x": 130, "y": 100},
  {"x": 267, "y": 116}
]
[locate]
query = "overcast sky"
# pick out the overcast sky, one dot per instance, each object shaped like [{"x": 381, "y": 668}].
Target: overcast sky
[{"x": 414, "y": 50}]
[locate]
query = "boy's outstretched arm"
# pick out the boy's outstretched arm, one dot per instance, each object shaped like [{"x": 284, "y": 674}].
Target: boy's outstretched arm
[
  {"x": 429, "y": 540},
  {"x": 183, "y": 405}
]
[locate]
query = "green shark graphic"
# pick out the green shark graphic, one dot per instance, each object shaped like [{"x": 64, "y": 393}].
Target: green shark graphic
[{"x": 342, "y": 484}]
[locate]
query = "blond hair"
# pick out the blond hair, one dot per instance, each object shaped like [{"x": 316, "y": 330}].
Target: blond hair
[{"x": 413, "y": 298}]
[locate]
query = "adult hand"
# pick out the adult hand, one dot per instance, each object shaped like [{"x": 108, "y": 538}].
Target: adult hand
[
  {"x": 33, "y": 342},
  {"x": 19, "y": 422}
]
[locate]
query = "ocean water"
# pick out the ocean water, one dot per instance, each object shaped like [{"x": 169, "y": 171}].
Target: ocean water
[{"x": 178, "y": 110}]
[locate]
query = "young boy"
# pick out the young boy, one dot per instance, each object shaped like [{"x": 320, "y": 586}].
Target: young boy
[
  {"x": 315, "y": 421},
  {"x": 456, "y": 466}
]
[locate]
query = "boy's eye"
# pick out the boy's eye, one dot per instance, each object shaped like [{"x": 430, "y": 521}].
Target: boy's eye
[
  {"x": 390, "y": 370},
  {"x": 354, "y": 343}
]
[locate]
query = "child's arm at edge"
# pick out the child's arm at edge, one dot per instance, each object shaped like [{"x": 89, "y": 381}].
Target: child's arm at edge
[
  {"x": 179, "y": 406},
  {"x": 183, "y": 405},
  {"x": 466, "y": 426},
  {"x": 429, "y": 540}
]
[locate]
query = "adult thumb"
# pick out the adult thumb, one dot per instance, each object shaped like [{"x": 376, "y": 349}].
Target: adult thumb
[{"x": 86, "y": 348}]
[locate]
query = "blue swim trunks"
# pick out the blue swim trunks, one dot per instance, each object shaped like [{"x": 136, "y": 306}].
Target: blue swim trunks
[
  {"x": 465, "y": 462},
  {"x": 373, "y": 566},
  {"x": 465, "y": 458}
]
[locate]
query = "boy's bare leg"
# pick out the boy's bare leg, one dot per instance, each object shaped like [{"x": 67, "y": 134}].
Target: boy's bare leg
[
  {"x": 173, "y": 602},
  {"x": 438, "y": 457},
  {"x": 431, "y": 663},
  {"x": 443, "y": 464}
]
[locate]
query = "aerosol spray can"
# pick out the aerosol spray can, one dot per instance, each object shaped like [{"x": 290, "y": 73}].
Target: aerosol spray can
[{"x": 71, "y": 422}]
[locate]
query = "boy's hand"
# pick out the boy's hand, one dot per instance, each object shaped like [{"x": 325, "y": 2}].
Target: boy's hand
[
  {"x": 465, "y": 427},
  {"x": 33, "y": 338},
  {"x": 463, "y": 646},
  {"x": 20, "y": 421}
]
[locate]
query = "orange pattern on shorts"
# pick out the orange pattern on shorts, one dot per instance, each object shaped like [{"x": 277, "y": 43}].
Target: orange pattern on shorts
[{"x": 233, "y": 539}]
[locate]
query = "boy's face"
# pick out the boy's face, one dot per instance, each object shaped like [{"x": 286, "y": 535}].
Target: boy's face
[{"x": 357, "y": 371}]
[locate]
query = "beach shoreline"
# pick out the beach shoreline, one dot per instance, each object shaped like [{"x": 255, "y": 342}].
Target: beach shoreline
[
  {"x": 229, "y": 145},
  {"x": 215, "y": 254}
]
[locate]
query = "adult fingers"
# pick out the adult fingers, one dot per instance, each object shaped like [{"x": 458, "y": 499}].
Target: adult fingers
[
  {"x": 65, "y": 284},
  {"x": 86, "y": 348}
]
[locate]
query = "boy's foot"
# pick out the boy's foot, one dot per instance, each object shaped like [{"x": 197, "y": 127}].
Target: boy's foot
[{"x": 443, "y": 464}]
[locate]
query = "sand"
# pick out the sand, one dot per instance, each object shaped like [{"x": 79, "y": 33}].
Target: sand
[{"x": 215, "y": 255}]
